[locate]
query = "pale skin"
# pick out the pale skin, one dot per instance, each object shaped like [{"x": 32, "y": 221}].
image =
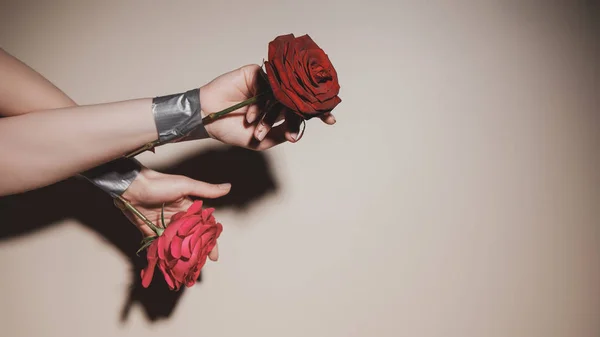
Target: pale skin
[
  {"x": 101, "y": 132},
  {"x": 38, "y": 113}
]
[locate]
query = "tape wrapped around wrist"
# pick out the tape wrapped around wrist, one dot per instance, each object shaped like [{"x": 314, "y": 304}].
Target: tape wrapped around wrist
[
  {"x": 178, "y": 115},
  {"x": 114, "y": 177}
]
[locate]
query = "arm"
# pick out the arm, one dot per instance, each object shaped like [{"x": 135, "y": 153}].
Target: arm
[
  {"x": 29, "y": 91},
  {"x": 24, "y": 90},
  {"x": 141, "y": 186},
  {"x": 68, "y": 140},
  {"x": 43, "y": 147}
]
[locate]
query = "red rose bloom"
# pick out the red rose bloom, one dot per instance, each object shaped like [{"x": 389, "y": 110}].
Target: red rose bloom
[
  {"x": 181, "y": 251},
  {"x": 301, "y": 76}
]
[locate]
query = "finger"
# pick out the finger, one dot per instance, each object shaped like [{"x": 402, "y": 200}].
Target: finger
[
  {"x": 252, "y": 77},
  {"x": 145, "y": 230},
  {"x": 275, "y": 137},
  {"x": 294, "y": 127},
  {"x": 214, "y": 254},
  {"x": 201, "y": 189},
  {"x": 256, "y": 82},
  {"x": 252, "y": 113},
  {"x": 266, "y": 123},
  {"x": 328, "y": 118}
]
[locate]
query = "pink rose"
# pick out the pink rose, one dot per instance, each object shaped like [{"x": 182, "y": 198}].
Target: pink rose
[{"x": 181, "y": 251}]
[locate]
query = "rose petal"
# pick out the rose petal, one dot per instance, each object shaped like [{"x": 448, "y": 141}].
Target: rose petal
[
  {"x": 209, "y": 239},
  {"x": 186, "y": 247},
  {"x": 327, "y": 105},
  {"x": 280, "y": 40},
  {"x": 196, "y": 251},
  {"x": 197, "y": 237},
  {"x": 279, "y": 64},
  {"x": 318, "y": 64},
  {"x": 148, "y": 273},
  {"x": 305, "y": 42},
  {"x": 203, "y": 254},
  {"x": 283, "y": 79},
  {"x": 195, "y": 208},
  {"x": 188, "y": 223},
  {"x": 275, "y": 84},
  {"x": 168, "y": 277},
  {"x": 296, "y": 84},
  {"x": 190, "y": 282},
  {"x": 181, "y": 269},
  {"x": 176, "y": 247},
  {"x": 192, "y": 277},
  {"x": 301, "y": 105},
  {"x": 176, "y": 217},
  {"x": 302, "y": 70},
  {"x": 318, "y": 61},
  {"x": 206, "y": 213},
  {"x": 152, "y": 251},
  {"x": 202, "y": 261},
  {"x": 209, "y": 247},
  {"x": 170, "y": 263},
  {"x": 171, "y": 229},
  {"x": 163, "y": 245}
]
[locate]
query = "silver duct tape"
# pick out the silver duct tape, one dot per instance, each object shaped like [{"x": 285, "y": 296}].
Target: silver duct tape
[
  {"x": 178, "y": 115},
  {"x": 114, "y": 177}
]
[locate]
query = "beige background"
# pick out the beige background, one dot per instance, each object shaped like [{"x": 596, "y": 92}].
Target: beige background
[{"x": 458, "y": 194}]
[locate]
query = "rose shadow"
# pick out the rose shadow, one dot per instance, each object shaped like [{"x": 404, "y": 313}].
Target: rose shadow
[{"x": 248, "y": 171}]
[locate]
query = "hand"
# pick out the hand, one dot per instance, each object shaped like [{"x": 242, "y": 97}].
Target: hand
[
  {"x": 250, "y": 126},
  {"x": 151, "y": 189}
]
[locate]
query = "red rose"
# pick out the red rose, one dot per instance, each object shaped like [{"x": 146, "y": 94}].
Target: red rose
[
  {"x": 301, "y": 76},
  {"x": 181, "y": 251}
]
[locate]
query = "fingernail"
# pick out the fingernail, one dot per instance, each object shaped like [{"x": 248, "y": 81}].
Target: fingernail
[
  {"x": 225, "y": 186},
  {"x": 250, "y": 118},
  {"x": 261, "y": 133},
  {"x": 334, "y": 120},
  {"x": 294, "y": 135}
]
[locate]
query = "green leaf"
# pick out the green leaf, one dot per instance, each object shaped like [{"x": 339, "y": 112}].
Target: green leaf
[
  {"x": 144, "y": 246},
  {"x": 162, "y": 215},
  {"x": 146, "y": 239}
]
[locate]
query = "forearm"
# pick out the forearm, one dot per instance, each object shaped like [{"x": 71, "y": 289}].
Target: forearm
[
  {"x": 23, "y": 90},
  {"x": 29, "y": 91},
  {"x": 47, "y": 138},
  {"x": 43, "y": 147}
]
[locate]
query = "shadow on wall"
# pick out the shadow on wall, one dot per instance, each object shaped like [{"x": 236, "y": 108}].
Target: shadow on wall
[{"x": 248, "y": 171}]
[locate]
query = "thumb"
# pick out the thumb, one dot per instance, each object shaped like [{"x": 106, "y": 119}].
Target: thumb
[{"x": 202, "y": 189}]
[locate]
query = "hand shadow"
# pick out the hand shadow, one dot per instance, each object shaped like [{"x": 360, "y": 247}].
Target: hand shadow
[{"x": 248, "y": 172}]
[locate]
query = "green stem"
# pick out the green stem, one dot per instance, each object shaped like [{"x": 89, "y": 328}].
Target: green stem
[
  {"x": 215, "y": 115},
  {"x": 135, "y": 211}
]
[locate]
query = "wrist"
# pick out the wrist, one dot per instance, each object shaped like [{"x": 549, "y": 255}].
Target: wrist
[
  {"x": 204, "y": 95},
  {"x": 178, "y": 116},
  {"x": 138, "y": 185},
  {"x": 114, "y": 177}
]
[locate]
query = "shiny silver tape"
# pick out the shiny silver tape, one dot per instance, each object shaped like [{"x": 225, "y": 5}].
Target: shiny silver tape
[
  {"x": 178, "y": 115},
  {"x": 114, "y": 177}
]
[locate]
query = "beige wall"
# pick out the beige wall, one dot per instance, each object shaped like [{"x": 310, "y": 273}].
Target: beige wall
[{"x": 458, "y": 194}]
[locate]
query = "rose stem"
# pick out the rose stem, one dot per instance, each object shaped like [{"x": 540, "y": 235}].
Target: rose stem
[
  {"x": 142, "y": 149},
  {"x": 135, "y": 211},
  {"x": 211, "y": 117}
]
